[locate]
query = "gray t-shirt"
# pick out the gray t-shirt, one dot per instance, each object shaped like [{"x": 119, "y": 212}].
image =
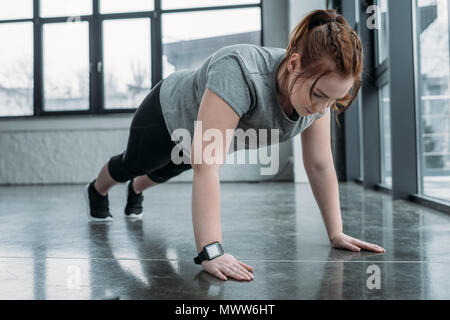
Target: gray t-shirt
[{"x": 244, "y": 76}]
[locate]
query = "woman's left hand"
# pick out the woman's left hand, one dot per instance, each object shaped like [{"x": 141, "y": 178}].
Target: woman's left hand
[{"x": 344, "y": 241}]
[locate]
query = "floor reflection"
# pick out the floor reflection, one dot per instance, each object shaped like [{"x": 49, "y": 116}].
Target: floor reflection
[{"x": 48, "y": 250}]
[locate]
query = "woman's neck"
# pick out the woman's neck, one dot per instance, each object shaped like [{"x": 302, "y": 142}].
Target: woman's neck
[{"x": 282, "y": 96}]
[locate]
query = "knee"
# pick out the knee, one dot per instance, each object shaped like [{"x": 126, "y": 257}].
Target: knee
[
  {"x": 120, "y": 171},
  {"x": 157, "y": 179}
]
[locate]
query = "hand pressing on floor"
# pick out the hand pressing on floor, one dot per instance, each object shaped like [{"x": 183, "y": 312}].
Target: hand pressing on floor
[
  {"x": 227, "y": 266},
  {"x": 343, "y": 241}
]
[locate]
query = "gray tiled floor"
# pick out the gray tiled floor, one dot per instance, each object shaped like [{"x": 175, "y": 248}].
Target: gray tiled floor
[{"x": 46, "y": 242}]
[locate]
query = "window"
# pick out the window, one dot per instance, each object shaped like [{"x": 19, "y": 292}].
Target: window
[
  {"x": 413, "y": 106},
  {"x": 66, "y": 66},
  {"x": 56, "y": 8},
  {"x": 189, "y": 46},
  {"x": 434, "y": 98},
  {"x": 16, "y": 72},
  {"x": 360, "y": 111},
  {"x": 361, "y": 137},
  {"x": 104, "y": 56},
  {"x": 115, "y": 6},
  {"x": 17, "y": 9},
  {"x": 385, "y": 139},
  {"x": 177, "y": 4},
  {"x": 382, "y": 72},
  {"x": 382, "y": 34},
  {"x": 127, "y": 71}
]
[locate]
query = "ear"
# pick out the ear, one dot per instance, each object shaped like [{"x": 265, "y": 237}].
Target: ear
[{"x": 294, "y": 63}]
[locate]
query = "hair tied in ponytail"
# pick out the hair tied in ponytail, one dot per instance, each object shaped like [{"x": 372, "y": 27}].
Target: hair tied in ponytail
[{"x": 325, "y": 48}]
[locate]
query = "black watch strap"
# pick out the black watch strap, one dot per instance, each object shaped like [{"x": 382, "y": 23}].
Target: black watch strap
[
  {"x": 216, "y": 252},
  {"x": 201, "y": 256}
]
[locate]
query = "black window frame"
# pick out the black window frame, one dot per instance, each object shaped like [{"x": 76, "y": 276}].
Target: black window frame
[
  {"x": 399, "y": 71},
  {"x": 95, "y": 22}
]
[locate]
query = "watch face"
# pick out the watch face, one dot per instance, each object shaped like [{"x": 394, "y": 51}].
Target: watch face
[{"x": 212, "y": 251}]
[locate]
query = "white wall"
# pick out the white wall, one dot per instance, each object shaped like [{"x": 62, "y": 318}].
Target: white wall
[
  {"x": 73, "y": 150},
  {"x": 58, "y": 149},
  {"x": 297, "y": 10}
]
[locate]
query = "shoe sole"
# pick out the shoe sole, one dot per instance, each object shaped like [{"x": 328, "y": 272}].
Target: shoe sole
[
  {"x": 131, "y": 215},
  {"x": 88, "y": 210}
]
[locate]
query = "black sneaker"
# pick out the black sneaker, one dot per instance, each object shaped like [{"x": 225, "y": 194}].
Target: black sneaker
[
  {"x": 133, "y": 209},
  {"x": 97, "y": 206}
]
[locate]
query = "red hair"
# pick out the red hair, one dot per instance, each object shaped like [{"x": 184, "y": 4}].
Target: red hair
[{"x": 324, "y": 36}]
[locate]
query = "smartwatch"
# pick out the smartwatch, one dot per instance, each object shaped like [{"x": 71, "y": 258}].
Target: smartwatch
[{"x": 209, "y": 252}]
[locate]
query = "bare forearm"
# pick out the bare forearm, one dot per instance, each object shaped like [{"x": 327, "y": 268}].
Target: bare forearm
[
  {"x": 206, "y": 207},
  {"x": 325, "y": 188}
]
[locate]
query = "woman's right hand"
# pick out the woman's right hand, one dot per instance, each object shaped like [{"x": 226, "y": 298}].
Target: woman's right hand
[{"x": 227, "y": 266}]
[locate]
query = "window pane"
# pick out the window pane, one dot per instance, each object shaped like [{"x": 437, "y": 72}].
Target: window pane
[
  {"x": 55, "y": 8},
  {"x": 383, "y": 41},
  {"x": 17, "y": 9},
  {"x": 434, "y": 106},
  {"x": 361, "y": 137},
  {"x": 66, "y": 66},
  {"x": 114, "y": 6},
  {"x": 127, "y": 72},
  {"x": 385, "y": 130},
  {"x": 16, "y": 72},
  {"x": 360, "y": 122},
  {"x": 204, "y": 33},
  {"x": 357, "y": 9},
  {"x": 177, "y": 4}
]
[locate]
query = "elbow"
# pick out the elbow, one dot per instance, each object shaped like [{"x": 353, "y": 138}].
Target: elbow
[
  {"x": 319, "y": 166},
  {"x": 318, "y": 163}
]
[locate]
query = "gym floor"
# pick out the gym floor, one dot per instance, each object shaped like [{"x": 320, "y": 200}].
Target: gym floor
[{"x": 49, "y": 250}]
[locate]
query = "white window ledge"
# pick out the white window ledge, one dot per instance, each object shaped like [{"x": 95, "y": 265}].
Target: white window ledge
[{"x": 67, "y": 123}]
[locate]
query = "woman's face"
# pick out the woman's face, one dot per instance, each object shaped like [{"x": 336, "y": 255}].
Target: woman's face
[{"x": 327, "y": 90}]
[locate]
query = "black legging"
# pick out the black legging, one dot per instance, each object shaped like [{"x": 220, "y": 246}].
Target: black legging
[{"x": 149, "y": 146}]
